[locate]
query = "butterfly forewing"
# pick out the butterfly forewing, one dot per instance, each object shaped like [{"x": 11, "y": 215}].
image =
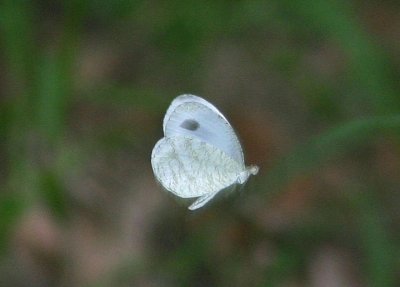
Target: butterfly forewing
[
  {"x": 188, "y": 98},
  {"x": 202, "y": 120}
]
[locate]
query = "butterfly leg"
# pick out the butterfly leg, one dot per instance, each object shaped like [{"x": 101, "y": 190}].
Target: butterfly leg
[{"x": 202, "y": 200}]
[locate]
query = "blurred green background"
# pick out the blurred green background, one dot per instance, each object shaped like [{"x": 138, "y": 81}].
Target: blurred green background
[{"x": 311, "y": 87}]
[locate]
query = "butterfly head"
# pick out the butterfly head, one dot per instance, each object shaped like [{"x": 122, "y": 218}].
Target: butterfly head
[
  {"x": 244, "y": 175},
  {"x": 253, "y": 169}
]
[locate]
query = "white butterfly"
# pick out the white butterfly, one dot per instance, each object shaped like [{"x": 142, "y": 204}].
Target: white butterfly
[{"x": 200, "y": 153}]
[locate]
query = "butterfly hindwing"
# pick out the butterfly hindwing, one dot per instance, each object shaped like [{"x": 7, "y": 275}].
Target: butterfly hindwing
[{"x": 190, "y": 168}]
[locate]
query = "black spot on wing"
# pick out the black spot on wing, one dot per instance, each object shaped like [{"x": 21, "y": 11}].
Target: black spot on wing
[{"x": 190, "y": 125}]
